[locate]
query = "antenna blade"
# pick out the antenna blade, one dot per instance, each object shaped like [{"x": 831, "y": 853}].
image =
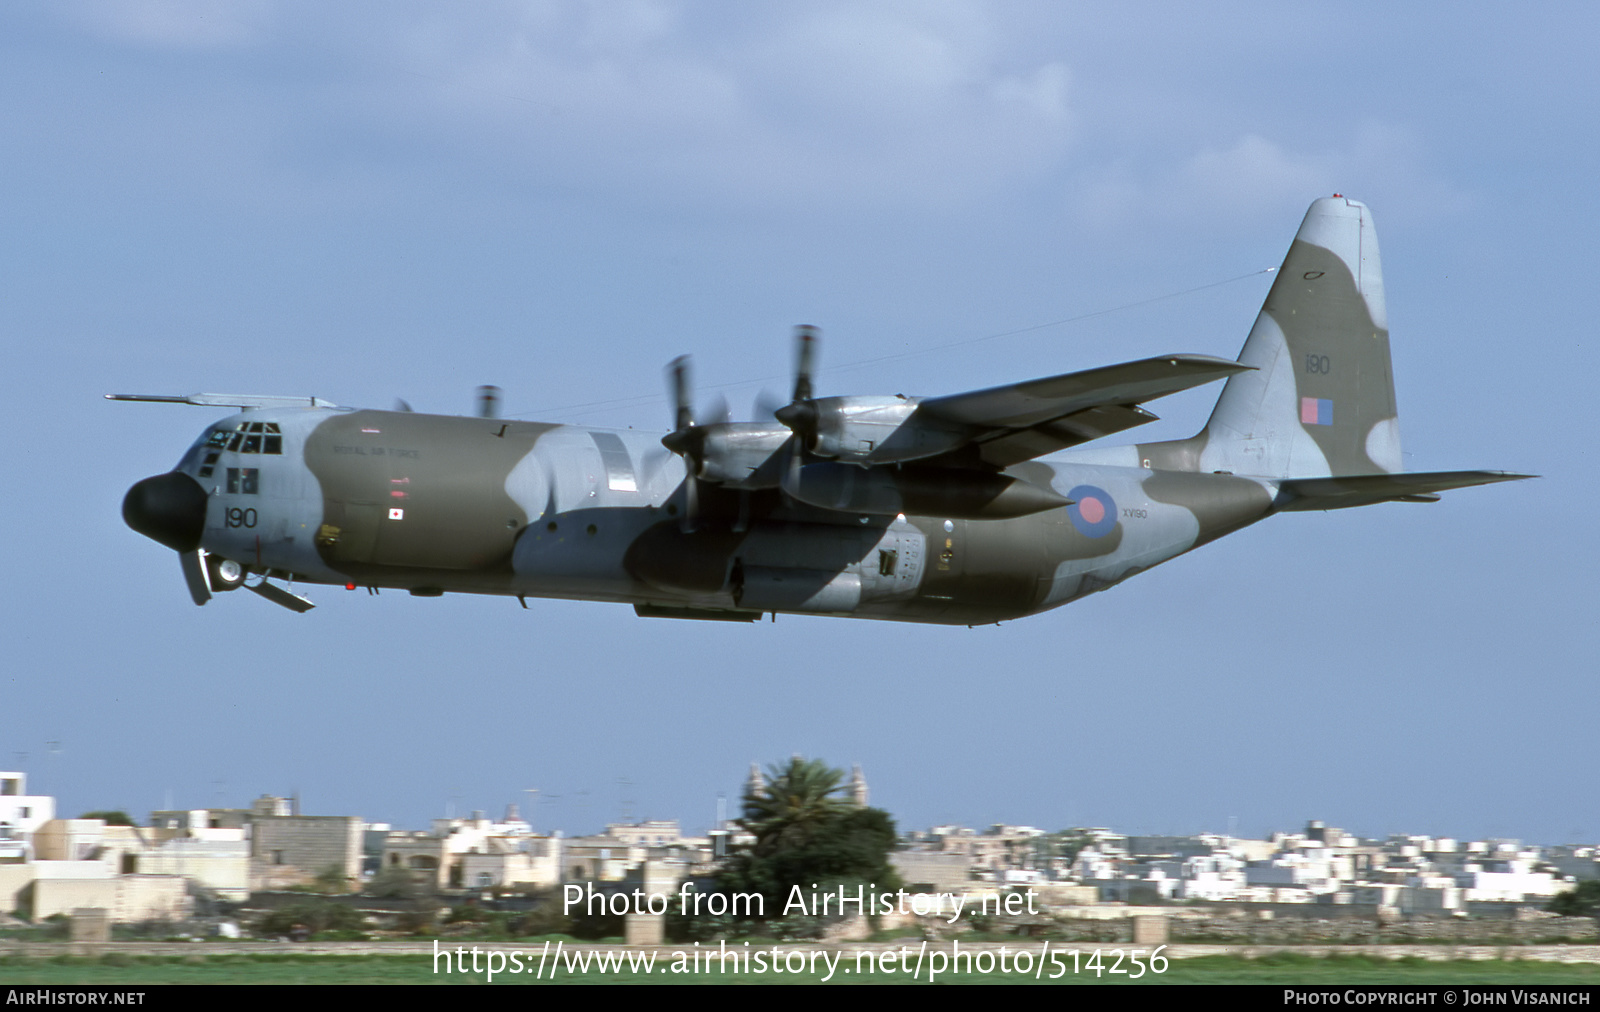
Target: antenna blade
[{"x": 488, "y": 402}]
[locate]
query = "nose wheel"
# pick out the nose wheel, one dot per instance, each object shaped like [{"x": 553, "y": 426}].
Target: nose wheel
[{"x": 225, "y": 574}]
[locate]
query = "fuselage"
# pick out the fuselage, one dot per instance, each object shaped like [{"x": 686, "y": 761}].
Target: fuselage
[{"x": 436, "y": 504}]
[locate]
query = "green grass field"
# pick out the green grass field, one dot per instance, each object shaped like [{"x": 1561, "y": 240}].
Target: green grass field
[{"x": 124, "y": 971}]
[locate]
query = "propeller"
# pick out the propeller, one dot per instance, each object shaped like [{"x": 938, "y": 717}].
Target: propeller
[
  {"x": 686, "y": 439},
  {"x": 800, "y": 414},
  {"x": 692, "y": 431}
]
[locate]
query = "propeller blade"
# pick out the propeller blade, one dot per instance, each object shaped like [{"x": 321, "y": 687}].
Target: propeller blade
[
  {"x": 678, "y": 376},
  {"x": 718, "y": 412},
  {"x": 691, "y": 504},
  {"x": 789, "y": 480},
  {"x": 686, "y": 439},
  {"x": 805, "y": 339},
  {"x": 401, "y": 405},
  {"x": 766, "y": 405}
]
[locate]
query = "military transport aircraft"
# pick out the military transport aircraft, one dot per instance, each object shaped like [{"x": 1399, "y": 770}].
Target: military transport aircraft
[{"x": 918, "y": 509}]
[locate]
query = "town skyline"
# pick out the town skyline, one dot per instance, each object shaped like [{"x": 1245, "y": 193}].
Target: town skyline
[
  {"x": 542, "y": 822},
  {"x": 237, "y": 854}
]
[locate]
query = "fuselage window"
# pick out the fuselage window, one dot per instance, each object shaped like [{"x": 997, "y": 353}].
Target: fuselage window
[{"x": 244, "y": 481}]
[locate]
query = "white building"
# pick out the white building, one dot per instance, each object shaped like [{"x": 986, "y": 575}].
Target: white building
[{"x": 21, "y": 815}]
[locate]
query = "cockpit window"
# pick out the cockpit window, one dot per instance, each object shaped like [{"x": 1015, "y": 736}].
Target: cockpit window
[{"x": 248, "y": 437}]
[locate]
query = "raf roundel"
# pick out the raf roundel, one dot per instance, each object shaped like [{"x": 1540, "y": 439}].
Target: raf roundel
[{"x": 1093, "y": 512}]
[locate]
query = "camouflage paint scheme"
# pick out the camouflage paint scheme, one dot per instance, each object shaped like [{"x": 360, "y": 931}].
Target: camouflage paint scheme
[{"x": 439, "y": 504}]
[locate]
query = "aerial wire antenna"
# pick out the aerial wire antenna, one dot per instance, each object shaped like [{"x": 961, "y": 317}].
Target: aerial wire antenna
[{"x": 590, "y": 407}]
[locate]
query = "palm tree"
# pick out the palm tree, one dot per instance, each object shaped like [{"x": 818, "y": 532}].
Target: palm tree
[
  {"x": 809, "y": 836},
  {"x": 799, "y": 799}
]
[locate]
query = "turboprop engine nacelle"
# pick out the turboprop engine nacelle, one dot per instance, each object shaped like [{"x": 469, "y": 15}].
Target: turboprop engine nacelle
[
  {"x": 745, "y": 455},
  {"x": 876, "y": 430}
]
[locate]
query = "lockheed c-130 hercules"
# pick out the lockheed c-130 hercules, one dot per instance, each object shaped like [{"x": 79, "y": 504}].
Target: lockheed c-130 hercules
[{"x": 918, "y": 509}]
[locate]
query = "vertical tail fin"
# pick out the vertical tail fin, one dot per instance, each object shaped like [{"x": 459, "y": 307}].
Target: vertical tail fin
[{"x": 1321, "y": 399}]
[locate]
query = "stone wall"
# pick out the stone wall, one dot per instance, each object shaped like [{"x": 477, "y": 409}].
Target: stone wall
[
  {"x": 1354, "y": 931},
  {"x": 310, "y": 843}
]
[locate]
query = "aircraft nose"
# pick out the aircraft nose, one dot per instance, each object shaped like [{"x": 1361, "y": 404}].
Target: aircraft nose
[{"x": 168, "y": 508}]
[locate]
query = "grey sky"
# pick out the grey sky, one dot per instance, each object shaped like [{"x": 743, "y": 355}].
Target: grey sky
[{"x": 381, "y": 200}]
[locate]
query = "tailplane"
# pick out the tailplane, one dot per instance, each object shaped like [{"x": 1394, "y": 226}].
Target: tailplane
[{"x": 1298, "y": 494}]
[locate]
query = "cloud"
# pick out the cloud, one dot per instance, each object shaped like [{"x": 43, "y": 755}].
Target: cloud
[
  {"x": 1254, "y": 177},
  {"x": 932, "y": 107},
  {"x": 178, "y": 24},
  {"x": 904, "y": 104},
  {"x": 1254, "y": 168}
]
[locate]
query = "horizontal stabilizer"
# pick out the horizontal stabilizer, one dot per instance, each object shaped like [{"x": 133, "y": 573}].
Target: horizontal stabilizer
[
  {"x": 1339, "y": 493},
  {"x": 229, "y": 400}
]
